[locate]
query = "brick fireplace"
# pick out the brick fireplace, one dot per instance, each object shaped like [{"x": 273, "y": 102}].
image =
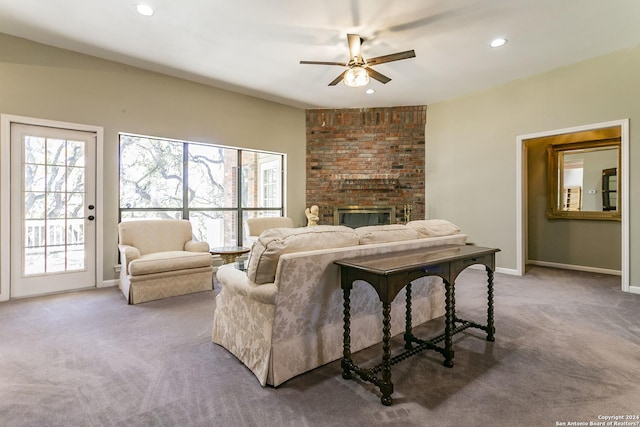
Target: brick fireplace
[
  {"x": 360, "y": 216},
  {"x": 366, "y": 157}
]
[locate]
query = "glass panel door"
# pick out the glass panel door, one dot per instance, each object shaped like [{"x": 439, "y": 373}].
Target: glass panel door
[{"x": 52, "y": 210}]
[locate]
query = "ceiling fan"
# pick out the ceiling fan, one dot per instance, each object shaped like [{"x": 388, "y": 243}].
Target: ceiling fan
[{"x": 359, "y": 69}]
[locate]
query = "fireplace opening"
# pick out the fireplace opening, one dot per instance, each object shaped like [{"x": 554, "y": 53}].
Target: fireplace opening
[{"x": 361, "y": 216}]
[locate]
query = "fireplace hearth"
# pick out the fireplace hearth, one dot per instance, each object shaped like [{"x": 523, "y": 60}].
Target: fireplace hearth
[{"x": 361, "y": 216}]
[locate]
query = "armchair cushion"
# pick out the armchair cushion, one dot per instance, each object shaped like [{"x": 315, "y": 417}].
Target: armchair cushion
[{"x": 160, "y": 262}]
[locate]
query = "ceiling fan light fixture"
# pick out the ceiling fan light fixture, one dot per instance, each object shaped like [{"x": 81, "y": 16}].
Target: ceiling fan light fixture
[
  {"x": 144, "y": 9},
  {"x": 498, "y": 42},
  {"x": 356, "y": 77}
]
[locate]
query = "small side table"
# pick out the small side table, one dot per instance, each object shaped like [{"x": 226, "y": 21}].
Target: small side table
[{"x": 229, "y": 253}]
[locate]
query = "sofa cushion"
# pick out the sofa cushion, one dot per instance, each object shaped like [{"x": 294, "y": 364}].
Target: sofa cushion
[
  {"x": 160, "y": 262},
  {"x": 435, "y": 227},
  {"x": 272, "y": 243},
  {"x": 387, "y": 233}
]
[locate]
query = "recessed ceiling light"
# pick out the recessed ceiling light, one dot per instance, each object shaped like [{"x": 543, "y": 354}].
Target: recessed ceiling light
[
  {"x": 369, "y": 91},
  {"x": 498, "y": 42},
  {"x": 144, "y": 9}
]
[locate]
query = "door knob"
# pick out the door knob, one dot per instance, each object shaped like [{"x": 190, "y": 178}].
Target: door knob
[{"x": 91, "y": 217}]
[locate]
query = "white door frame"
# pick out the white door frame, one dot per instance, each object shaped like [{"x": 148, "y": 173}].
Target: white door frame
[
  {"x": 521, "y": 196},
  {"x": 5, "y": 190}
]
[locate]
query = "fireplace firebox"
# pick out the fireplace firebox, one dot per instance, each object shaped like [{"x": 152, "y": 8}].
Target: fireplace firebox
[{"x": 361, "y": 216}]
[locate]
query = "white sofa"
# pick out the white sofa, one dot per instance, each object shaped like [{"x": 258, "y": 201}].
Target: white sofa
[{"x": 284, "y": 316}]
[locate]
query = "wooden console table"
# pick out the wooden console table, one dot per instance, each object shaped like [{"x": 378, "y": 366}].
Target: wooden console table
[{"x": 388, "y": 274}]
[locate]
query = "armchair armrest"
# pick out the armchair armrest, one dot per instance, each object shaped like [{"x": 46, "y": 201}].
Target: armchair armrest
[
  {"x": 127, "y": 254},
  {"x": 236, "y": 281},
  {"x": 193, "y": 246}
]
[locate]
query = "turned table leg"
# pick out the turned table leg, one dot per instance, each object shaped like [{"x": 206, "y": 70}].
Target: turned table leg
[
  {"x": 490, "y": 328},
  {"x": 448, "y": 324},
  {"x": 408, "y": 334},
  {"x": 346, "y": 337},
  {"x": 386, "y": 386}
]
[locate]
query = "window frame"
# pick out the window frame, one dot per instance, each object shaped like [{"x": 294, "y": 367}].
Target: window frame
[{"x": 240, "y": 210}]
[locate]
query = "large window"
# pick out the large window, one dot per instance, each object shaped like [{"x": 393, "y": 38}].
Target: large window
[{"x": 161, "y": 178}]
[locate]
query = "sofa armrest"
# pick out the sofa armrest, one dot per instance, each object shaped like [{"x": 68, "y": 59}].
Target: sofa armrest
[
  {"x": 236, "y": 281},
  {"x": 193, "y": 246},
  {"x": 127, "y": 254}
]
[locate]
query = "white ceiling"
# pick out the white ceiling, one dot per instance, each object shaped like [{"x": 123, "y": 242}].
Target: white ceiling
[{"x": 254, "y": 46}]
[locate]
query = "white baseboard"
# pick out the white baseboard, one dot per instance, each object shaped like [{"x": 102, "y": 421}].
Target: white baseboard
[
  {"x": 575, "y": 267},
  {"x": 109, "y": 283},
  {"x": 634, "y": 289},
  {"x": 509, "y": 271},
  {"x": 514, "y": 272}
]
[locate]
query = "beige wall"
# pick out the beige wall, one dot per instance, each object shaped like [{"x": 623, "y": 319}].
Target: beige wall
[
  {"x": 48, "y": 83},
  {"x": 471, "y": 144}
]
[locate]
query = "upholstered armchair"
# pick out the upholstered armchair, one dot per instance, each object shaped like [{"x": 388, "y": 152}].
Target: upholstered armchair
[
  {"x": 255, "y": 226},
  {"x": 159, "y": 259}
]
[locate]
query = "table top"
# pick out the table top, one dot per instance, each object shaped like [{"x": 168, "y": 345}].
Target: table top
[
  {"x": 229, "y": 250},
  {"x": 385, "y": 264}
]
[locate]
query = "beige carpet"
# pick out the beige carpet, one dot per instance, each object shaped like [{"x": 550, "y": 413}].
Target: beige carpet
[{"x": 567, "y": 349}]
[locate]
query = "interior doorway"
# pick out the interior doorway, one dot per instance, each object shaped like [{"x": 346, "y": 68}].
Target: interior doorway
[{"x": 523, "y": 193}]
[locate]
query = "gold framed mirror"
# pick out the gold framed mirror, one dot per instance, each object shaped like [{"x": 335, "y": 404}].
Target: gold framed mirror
[{"x": 583, "y": 180}]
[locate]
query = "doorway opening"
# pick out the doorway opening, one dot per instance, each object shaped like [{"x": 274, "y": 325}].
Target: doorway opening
[{"x": 527, "y": 209}]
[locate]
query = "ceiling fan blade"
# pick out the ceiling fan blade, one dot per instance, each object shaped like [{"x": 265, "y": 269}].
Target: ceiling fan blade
[
  {"x": 342, "y": 64},
  {"x": 355, "y": 42},
  {"x": 423, "y": 22},
  {"x": 378, "y": 76},
  {"x": 392, "y": 57},
  {"x": 338, "y": 79}
]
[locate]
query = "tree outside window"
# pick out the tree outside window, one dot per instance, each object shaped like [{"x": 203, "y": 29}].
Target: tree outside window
[{"x": 162, "y": 178}]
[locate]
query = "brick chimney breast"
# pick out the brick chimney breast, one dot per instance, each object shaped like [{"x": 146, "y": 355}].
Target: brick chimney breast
[{"x": 366, "y": 157}]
